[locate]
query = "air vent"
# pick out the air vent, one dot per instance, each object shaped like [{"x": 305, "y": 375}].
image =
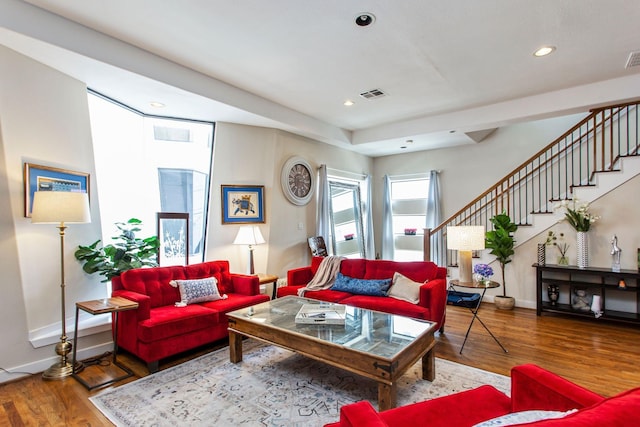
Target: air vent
[
  {"x": 634, "y": 60},
  {"x": 373, "y": 94}
]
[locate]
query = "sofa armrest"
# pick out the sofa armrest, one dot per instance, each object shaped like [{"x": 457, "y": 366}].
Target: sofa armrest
[
  {"x": 299, "y": 276},
  {"x": 433, "y": 295},
  {"x": 360, "y": 414},
  {"x": 143, "y": 311},
  {"x": 245, "y": 284},
  {"x": 533, "y": 387}
]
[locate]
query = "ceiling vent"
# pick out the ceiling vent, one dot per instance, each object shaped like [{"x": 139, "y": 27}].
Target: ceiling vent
[
  {"x": 634, "y": 60},
  {"x": 373, "y": 94}
]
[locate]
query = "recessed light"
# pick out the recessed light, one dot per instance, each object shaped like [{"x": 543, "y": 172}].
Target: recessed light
[
  {"x": 156, "y": 104},
  {"x": 348, "y": 103},
  {"x": 365, "y": 19},
  {"x": 544, "y": 51}
]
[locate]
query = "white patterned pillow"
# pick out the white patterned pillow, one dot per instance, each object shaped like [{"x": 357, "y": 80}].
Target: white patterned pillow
[
  {"x": 524, "y": 417},
  {"x": 197, "y": 290},
  {"x": 405, "y": 289}
]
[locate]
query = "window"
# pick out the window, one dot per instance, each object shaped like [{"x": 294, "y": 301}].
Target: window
[
  {"x": 346, "y": 219},
  {"x": 409, "y": 211},
  {"x": 146, "y": 165}
]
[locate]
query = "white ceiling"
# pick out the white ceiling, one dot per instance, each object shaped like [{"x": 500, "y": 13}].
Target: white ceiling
[{"x": 449, "y": 68}]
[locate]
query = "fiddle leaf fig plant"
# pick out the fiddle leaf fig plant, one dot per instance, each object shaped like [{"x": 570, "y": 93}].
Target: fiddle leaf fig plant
[
  {"x": 501, "y": 242},
  {"x": 127, "y": 252}
]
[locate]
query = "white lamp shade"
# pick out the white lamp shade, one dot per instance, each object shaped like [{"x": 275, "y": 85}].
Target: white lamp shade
[
  {"x": 56, "y": 207},
  {"x": 466, "y": 237},
  {"x": 249, "y": 235}
]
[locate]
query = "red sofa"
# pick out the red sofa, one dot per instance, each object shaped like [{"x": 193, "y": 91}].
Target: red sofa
[
  {"x": 433, "y": 292},
  {"x": 159, "y": 328},
  {"x": 532, "y": 388}
]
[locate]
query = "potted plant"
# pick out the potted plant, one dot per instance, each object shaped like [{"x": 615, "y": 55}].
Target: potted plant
[
  {"x": 502, "y": 242},
  {"x": 126, "y": 253}
]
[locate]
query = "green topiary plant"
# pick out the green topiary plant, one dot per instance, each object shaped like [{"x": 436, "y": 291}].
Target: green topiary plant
[
  {"x": 126, "y": 253},
  {"x": 501, "y": 242}
]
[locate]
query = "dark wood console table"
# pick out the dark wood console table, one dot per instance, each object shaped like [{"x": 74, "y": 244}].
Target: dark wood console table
[{"x": 619, "y": 291}]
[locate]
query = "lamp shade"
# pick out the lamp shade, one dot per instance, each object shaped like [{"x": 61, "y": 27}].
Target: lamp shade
[
  {"x": 249, "y": 235},
  {"x": 55, "y": 207},
  {"x": 466, "y": 237}
]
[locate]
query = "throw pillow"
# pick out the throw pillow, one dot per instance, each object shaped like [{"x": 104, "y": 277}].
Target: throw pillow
[
  {"x": 524, "y": 417},
  {"x": 197, "y": 290},
  {"x": 405, "y": 289},
  {"x": 352, "y": 285}
]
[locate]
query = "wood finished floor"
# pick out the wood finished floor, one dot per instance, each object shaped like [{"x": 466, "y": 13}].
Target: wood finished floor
[{"x": 598, "y": 355}]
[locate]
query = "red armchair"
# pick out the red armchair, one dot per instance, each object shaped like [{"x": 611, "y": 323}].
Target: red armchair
[{"x": 532, "y": 388}]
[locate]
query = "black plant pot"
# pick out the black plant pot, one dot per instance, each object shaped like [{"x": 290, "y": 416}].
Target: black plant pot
[{"x": 553, "y": 291}]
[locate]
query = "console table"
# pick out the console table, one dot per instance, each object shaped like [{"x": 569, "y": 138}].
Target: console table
[{"x": 619, "y": 291}]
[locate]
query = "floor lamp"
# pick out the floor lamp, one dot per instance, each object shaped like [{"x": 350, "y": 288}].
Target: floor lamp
[
  {"x": 60, "y": 207},
  {"x": 249, "y": 235},
  {"x": 464, "y": 239}
]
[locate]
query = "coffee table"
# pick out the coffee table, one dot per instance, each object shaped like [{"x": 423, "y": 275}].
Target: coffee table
[{"x": 376, "y": 345}]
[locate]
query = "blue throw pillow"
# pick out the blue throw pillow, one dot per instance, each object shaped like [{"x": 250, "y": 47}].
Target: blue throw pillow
[{"x": 377, "y": 288}]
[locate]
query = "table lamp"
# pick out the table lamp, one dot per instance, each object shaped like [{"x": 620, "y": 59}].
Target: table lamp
[
  {"x": 249, "y": 235},
  {"x": 60, "y": 207},
  {"x": 464, "y": 239}
]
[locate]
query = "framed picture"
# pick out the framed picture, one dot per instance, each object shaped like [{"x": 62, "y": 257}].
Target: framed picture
[
  {"x": 173, "y": 234},
  {"x": 45, "y": 178},
  {"x": 242, "y": 204}
]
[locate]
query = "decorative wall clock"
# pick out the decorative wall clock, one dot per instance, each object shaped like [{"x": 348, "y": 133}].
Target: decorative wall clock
[{"x": 298, "y": 181}]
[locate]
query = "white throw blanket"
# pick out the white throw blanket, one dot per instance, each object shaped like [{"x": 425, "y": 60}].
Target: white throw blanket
[{"x": 325, "y": 276}]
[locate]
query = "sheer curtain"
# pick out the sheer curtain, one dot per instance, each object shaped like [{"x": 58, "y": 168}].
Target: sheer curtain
[
  {"x": 387, "y": 220},
  {"x": 434, "y": 217},
  {"x": 323, "y": 216},
  {"x": 369, "y": 246}
]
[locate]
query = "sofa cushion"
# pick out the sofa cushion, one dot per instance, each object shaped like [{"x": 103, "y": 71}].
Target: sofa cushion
[
  {"x": 404, "y": 289},
  {"x": 235, "y": 302},
  {"x": 218, "y": 269},
  {"x": 361, "y": 286},
  {"x": 419, "y": 271},
  {"x": 168, "y": 321},
  {"x": 327, "y": 295},
  {"x": 197, "y": 290}
]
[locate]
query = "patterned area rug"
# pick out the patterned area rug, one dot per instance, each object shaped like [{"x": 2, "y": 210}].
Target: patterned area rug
[{"x": 270, "y": 387}]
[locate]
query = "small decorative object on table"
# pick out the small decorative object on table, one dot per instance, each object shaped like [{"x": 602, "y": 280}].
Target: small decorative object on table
[
  {"x": 553, "y": 291},
  {"x": 542, "y": 254},
  {"x": 615, "y": 252},
  {"x": 410, "y": 231},
  {"x": 560, "y": 244},
  {"x": 482, "y": 273},
  {"x": 581, "y": 220}
]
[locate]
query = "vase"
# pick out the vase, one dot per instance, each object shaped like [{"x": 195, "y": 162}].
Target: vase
[
  {"x": 583, "y": 249},
  {"x": 542, "y": 253},
  {"x": 563, "y": 260},
  {"x": 553, "y": 291}
]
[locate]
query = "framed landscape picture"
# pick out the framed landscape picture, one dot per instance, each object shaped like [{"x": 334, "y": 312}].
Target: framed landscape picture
[
  {"x": 45, "y": 178},
  {"x": 242, "y": 204}
]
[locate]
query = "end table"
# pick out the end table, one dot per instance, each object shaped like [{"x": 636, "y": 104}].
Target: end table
[
  {"x": 264, "y": 279},
  {"x": 103, "y": 306},
  {"x": 488, "y": 284}
]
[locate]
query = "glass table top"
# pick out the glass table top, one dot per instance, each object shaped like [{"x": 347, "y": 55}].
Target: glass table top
[{"x": 381, "y": 334}]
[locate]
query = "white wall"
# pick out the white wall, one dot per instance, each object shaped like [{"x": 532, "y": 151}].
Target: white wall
[{"x": 44, "y": 120}]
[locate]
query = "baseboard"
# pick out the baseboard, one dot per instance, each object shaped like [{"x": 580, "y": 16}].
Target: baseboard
[{"x": 38, "y": 366}]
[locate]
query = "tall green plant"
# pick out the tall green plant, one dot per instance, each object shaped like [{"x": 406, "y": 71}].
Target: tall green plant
[
  {"x": 501, "y": 242},
  {"x": 125, "y": 253}
]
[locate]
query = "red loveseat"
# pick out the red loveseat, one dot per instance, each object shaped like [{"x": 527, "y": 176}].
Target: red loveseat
[
  {"x": 532, "y": 388},
  {"x": 433, "y": 291},
  {"x": 159, "y": 328}
]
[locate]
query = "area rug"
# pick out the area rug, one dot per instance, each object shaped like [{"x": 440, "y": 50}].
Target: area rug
[{"x": 270, "y": 387}]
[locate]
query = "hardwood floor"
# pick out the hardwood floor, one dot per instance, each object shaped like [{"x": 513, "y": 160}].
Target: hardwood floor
[{"x": 597, "y": 355}]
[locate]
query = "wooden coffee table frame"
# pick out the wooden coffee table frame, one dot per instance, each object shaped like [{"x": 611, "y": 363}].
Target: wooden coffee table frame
[{"x": 384, "y": 371}]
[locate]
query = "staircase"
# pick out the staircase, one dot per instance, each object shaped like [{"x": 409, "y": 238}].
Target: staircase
[{"x": 592, "y": 158}]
